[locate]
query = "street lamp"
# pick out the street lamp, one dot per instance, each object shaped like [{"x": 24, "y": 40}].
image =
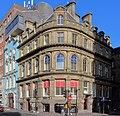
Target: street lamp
[
  {"x": 76, "y": 109},
  {"x": 103, "y": 104},
  {"x": 36, "y": 96}
]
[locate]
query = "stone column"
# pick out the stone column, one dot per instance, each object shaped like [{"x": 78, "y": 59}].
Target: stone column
[
  {"x": 40, "y": 95},
  {"x": 80, "y": 95},
  {"x": 52, "y": 94},
  {"x": 52, "y": 108},
  {"x": 90, "y": 98},
  {"x": 68, "y": 83},
  {"x": 52, "y": 87}
]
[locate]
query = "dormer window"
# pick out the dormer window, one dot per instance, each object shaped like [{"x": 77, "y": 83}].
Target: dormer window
[{"x": 60, "y": 20}]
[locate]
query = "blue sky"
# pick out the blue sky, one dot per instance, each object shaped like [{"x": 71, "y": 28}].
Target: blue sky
[{"x": 106, "y": 14}]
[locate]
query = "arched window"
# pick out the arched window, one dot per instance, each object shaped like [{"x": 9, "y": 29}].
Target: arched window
[
  {"x": 14, "y": 81},
  {"x": 22, "y": 70},
  {"x": 47, "y": 63},
  {"x": 10, "y": 65},
  {"x": 29, "y": 67},
  {"x": 36, "y": 65},
  {"x": 7, "y": 83},
  {"x": 100, "y": 69},
  {"x": 10, "y": 82},
  {"x": 60, "y": 19},
  {"x": 60, "y": 61},
  {"x": 74, "y": 62},
  {"x": 93, "y": 67},
  {"x": 13, "y": 63},
  {"x": 85, "y": 65},
  {"x": 106, "y": 71},
  {"x": 6, "y": 67}
]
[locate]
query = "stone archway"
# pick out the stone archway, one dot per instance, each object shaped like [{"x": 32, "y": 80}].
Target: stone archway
[{"x": 10, "y": 100}]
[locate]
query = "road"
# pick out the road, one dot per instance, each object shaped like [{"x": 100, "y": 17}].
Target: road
[{"x": 23, "y": 113}]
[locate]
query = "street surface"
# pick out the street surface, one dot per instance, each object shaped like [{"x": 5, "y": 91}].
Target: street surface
[{"x": 24, "y": 113}]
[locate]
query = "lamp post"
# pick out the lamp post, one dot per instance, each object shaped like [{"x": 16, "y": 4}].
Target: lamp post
[
  {"x": 103, "y": 105},
  {"x": 76, "y": 109},
  {"x": 102, "y": 99},
  {"x": 67, "y": 104},
  {"x": 35, "y": 93}
]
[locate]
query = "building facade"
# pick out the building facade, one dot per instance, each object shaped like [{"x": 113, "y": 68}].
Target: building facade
[
  {"x": 63, "y": 54},
  {"x": 3, "y": 23},
  {"x": 14, "y": 29},
  {"x": 11, "y": 73},
  {"x": 115, "y": 77}
]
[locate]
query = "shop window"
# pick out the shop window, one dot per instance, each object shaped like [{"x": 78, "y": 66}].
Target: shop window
[
  {"x": 73, "y": 86},
  {"x": 46, "y": 88},
  {"x": 60, "y": 87}
]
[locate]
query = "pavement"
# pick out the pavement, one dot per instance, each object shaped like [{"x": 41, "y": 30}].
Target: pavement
[{"x": 11, "y": 112}]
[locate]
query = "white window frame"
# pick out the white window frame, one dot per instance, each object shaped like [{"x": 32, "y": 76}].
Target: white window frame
[
  {"x": 60, "y": 19},
  {"x": 60, "y": 37},
  {"x": 85, "y": 43},
  {"x": 46, "y": 39},
  {"x": 86, "y": 83},
  {"x": 74, "y": 39}
]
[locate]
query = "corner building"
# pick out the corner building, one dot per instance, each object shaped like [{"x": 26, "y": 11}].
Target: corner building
[{"x": 63, "y": 54}]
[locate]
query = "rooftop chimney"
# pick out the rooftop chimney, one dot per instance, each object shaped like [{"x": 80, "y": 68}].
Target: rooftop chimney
[{"x": 87, "y": 19}]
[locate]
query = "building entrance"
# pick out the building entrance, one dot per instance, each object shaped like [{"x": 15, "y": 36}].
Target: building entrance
[{"x": 10, "y": 100}]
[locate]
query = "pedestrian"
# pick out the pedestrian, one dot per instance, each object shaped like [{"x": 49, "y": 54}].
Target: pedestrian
[{"x": 30, "y": 107}]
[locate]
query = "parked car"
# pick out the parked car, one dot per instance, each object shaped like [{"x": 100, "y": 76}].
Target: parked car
[{"x": 1, "y": 108}]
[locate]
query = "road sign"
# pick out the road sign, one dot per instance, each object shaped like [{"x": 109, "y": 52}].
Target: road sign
[{"x": 69, "y": 98}]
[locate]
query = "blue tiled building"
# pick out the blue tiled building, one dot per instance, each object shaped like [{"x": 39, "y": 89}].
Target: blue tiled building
[{"x": 11, "y": 73}]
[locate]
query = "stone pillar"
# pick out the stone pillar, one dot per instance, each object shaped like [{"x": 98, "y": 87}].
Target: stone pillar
[
  {"x": 40, "y": 95},
  {"x": 80, "y": 95},
  {"x": 53, "y": 64},
  {"x": 40, "y": 107},
  {"x": 52, "y": 87},
  {"x": 89, "y": 104},
  {"x": 68, "y": 83},
  {"x": 52, "y": 93},
  {"x": 52, "y": 108},
  {"x": 90, "y": 97}
]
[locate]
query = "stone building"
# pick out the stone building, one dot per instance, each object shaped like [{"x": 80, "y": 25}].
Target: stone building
[
  {"x": 59, "y": 54},
  {"x": 5, "y": 20},
  {"x": 115, "y": 77},
  {"x": 14, "y": 28},
  {"x": 11, "y": 73}
]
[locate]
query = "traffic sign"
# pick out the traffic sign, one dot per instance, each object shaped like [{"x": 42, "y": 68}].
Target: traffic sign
[{"x": 69, "y": 98}]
